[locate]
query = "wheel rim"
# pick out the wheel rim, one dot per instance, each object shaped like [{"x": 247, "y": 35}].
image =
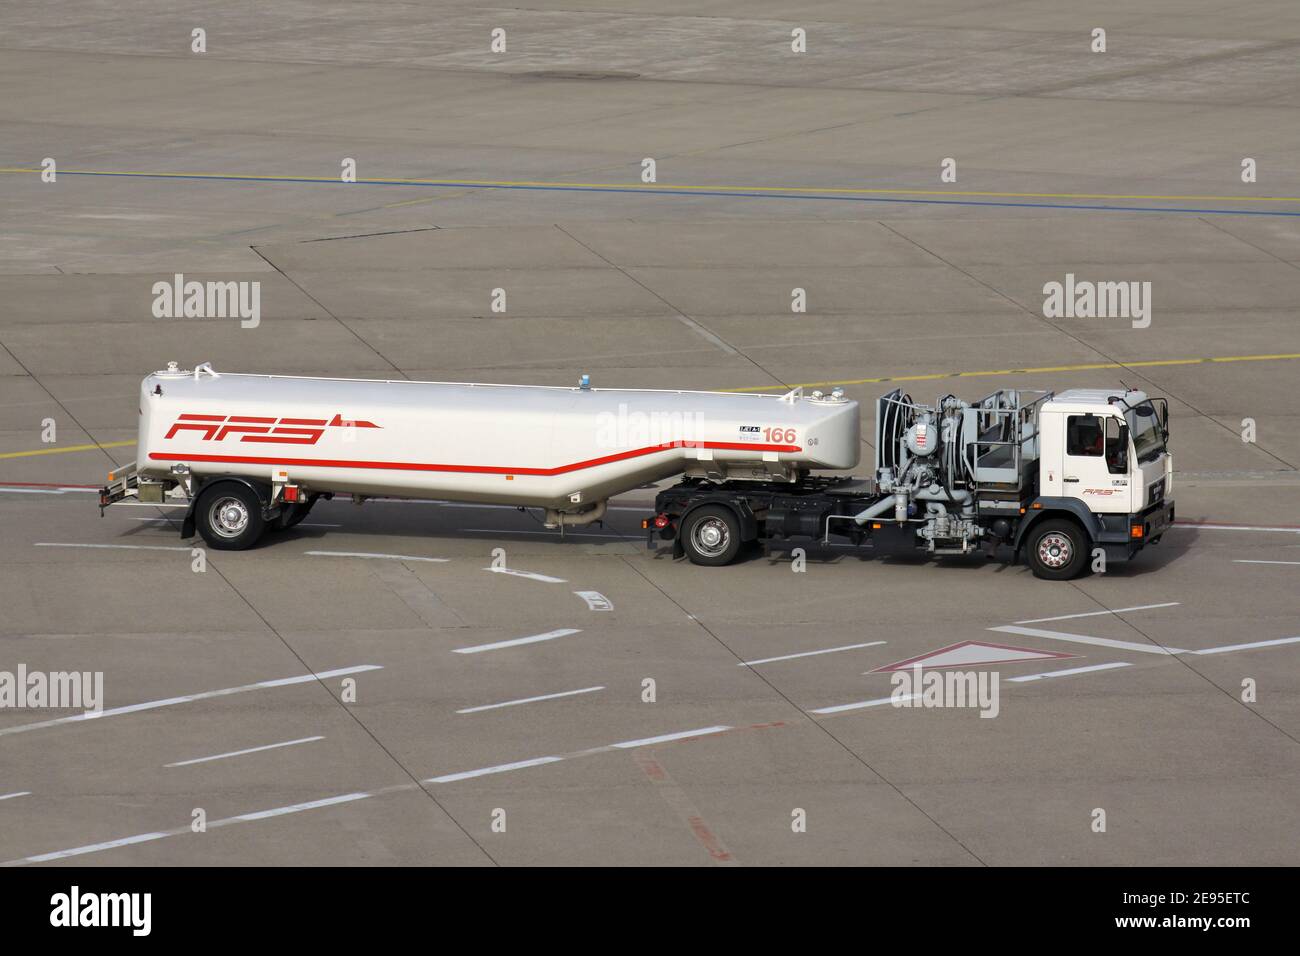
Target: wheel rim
[
  {"x": 1055, "y": 550},
  {"x": 228, "y": 517},
  {"x": 711, "y": 537}
]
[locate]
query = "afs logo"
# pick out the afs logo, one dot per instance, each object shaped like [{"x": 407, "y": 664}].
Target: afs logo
[{"x": 287, "y": 431}]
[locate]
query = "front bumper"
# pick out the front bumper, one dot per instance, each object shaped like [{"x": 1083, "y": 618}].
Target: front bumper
[{"x": 1118, "y": 541}]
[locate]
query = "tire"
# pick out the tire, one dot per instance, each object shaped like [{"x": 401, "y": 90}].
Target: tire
[
  {"x": 228, "y": 516},
  {"x": 711, "y": 536},
  {"x": 1057, "y": 550}
]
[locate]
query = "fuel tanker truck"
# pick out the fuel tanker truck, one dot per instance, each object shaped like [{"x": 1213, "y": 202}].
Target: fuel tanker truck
[{"x": 1058, "y": 479}]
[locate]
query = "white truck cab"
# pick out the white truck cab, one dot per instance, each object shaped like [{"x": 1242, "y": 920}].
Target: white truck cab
[{"x": 1105, "y": 448}]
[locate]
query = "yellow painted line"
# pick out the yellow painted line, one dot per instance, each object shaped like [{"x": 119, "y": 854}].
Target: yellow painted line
[
  {"x": 66, "y": 450},
  {"x": 1091, "y": 366},
  {"x": 653, "y": 187}
]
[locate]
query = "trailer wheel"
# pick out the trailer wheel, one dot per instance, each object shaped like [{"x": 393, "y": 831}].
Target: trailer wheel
[
  {"x": 711, "y": 536},
  {"x": 1057, "y": 550},
  {"x": 229, "y": 516}
]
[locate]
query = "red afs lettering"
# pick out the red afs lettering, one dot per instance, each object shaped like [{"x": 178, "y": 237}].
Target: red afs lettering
[{"x": 287, "y": 431}]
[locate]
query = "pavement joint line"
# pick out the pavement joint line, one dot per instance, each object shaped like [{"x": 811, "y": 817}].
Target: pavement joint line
[
  {"x": 679, "y": 737},
  {"x": 188, "y": 698},
  {"x": 361, "y": 795},
  {"x": 805, "y": 715},
  {"x": 1083, "y": 201},
  {"x": 1186, "y": 662},
  {"x": 241, "y": 753}
]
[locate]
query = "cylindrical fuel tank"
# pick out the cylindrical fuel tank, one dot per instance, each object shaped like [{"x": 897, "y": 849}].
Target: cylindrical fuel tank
[{"x": 509, "y": 444}]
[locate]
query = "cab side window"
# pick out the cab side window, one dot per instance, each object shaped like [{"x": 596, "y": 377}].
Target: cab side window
[
  {"x": 1116, "y": 447},
  {"x": 1084, "y": 437}
]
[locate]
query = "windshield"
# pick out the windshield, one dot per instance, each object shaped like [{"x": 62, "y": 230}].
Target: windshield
[{"x": 1144, "y": 426}]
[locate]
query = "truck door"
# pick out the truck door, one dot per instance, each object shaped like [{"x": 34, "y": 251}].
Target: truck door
[{"x": 1095, "y": 466}]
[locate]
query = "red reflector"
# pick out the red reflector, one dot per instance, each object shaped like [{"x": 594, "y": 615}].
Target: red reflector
[
  {"x": 291, "y": 493},
  {"x": 661, "y": 521}
]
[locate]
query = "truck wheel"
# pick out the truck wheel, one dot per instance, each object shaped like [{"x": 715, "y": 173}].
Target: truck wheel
[
  {"x": 711, "y": 536},
  {"x": 1057, "y": 550},
  {"x": 229, "y": 516}
]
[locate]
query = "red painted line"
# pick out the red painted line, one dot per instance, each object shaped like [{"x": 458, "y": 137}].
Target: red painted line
[{"x": 468, "y": 469}]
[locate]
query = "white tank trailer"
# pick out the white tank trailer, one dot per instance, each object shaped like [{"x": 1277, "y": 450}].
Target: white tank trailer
[{"x": 1053, "y": 476}]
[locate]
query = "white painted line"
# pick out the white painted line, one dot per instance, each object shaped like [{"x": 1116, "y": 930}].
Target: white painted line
[
  {"x": 1070, "y": 670},
  {"x": 93, "y": 847},
  {"x": 531, "y": 575},
  {"x": 496, "y": 645},
  {"x": 879, "y": 701},
  {"x": 554, "y": 534},
  {"x": 1085, "y": 639},
  {"x": 297, "y": 808},
  {"x": 367, "y": 554},
  {"x": 1231, "y": 527},
  {"x": 20, "y": 793},
  {"x": 1246, "y": 647},
  {"x": 349, "y": 798},
  {"x": 240, "y": 753},
  {"x": 790, "y": 657},
  {"x": 665, "y": 738},
  {"x": 1244, "y": 561},
  {"x": 1118, "y": 610},
  {"x": 154, "y": 704},
  {"x": 162, "y": 834},
  {"x": 124, "y": 547},
  {"x": 501, "y": 768},
  {"x": 595, "y": 600},
  {"x": 530, "y": 700}
]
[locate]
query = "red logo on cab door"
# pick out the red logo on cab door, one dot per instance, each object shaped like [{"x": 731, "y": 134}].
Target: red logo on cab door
[{"x": 286, "y": 431}]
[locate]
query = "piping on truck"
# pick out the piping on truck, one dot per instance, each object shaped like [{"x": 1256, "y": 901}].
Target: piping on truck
[{"x": 1058, "y": 478}]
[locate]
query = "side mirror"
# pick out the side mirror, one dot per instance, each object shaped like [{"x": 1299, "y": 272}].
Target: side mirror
[{"x": 1161, "y": 405}]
